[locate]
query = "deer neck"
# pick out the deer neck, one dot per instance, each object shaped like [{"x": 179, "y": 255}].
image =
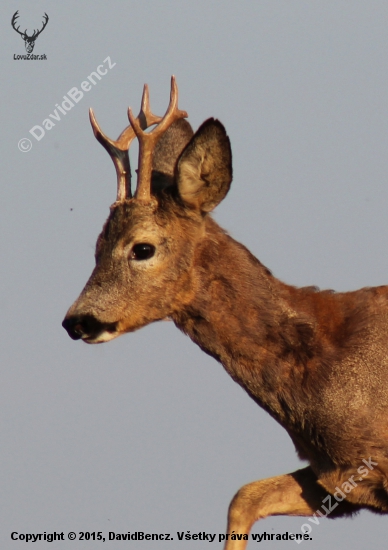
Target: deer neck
[{"x": 244, "y": 317}]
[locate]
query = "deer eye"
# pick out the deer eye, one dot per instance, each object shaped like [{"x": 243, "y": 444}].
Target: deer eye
[{"x": 142, "y": 251}]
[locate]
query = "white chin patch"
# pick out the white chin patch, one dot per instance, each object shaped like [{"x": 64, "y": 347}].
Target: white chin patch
[{"x": 102, "y": 337}]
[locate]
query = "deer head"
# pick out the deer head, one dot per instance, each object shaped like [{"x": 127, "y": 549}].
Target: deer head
[
  {"x": 146, "y": 250},
  {"x": 29, "y": 41}
]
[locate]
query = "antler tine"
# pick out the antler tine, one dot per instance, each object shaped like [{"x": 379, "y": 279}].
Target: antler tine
[
  {"x": 14, "y": 21},
  {"x": 118, "y": 149},
  {"x": 118, "y": 152},
  {"x": 146, "y": 116},
  {"x": 148, "y": 141},
  {"x": 45, "y": 21}
]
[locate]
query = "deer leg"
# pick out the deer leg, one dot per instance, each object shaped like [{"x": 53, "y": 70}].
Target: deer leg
[{"x": 296, "y": 494}]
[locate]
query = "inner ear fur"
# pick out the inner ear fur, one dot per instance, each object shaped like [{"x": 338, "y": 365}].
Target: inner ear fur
[{"x": 204, "y": 169}]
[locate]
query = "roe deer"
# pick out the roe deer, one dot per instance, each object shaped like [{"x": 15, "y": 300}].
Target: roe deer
[{"x": 316, "y": 361}]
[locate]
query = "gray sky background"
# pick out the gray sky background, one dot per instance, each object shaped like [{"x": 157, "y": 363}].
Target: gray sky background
[{"x": 147, "y": 433}]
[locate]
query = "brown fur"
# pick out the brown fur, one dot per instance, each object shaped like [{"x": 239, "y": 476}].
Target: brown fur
[{"x": 316, "y": 361}]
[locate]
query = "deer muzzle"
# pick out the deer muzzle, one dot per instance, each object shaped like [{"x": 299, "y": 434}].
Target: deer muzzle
[{"x": 89, "y": 329}]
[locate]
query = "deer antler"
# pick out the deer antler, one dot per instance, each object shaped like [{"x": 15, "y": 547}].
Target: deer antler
[
  {"x": 118, "y": 150},
  {"x": 37, "y": 33},
  {"x": 13, "y": 23},
  {"x": 147, "y": 141}
]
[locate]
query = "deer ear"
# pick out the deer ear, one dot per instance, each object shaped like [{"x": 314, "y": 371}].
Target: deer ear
[
  {"x": 204, "y": 169},
  {"x": 166, "y": 153}
]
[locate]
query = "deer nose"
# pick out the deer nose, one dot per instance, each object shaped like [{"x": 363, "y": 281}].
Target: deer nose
[
  {"x": 86, "y": 327},
  {"x": 79, "y": 326},
  {"x": 75, "y": 326}
]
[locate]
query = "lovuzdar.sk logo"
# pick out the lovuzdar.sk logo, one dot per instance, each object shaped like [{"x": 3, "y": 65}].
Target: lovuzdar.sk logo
[{"x": 29, "y": 39}]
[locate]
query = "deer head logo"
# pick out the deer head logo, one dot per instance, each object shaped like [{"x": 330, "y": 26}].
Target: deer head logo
[{"x": 29, "y": 41}]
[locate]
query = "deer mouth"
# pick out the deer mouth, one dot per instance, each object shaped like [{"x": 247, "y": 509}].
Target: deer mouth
[
  {"x": 89, "y": 329},
  {"x": 101, "y": 338}
]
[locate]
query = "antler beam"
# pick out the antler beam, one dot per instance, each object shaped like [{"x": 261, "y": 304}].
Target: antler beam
[
  {"x": 118, "y": 150},
  {"x": 147, "y": 141}
]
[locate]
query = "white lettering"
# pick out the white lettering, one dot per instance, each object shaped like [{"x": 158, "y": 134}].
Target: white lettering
[
  {"x": 369, "y": 463},
  {"x": 90, "y": 77},
  {"x": 67, "y": 104},
  {"x": 101, "y": 72},
  {"x": 75, "y": 94},
  {"x": 56, "y": 116},
  {"x": 86, "y": 86},
  {"x": 35, "y": 129},
  {"x": 48, "y": 124},
  {"x": 109, "y": 62}
]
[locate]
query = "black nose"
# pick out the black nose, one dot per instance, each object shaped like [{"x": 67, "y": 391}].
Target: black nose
[
  {"x": 85, "y": 326},
  {"x": 75, "y": 326},
  {"x": 79, "y": 326}
]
